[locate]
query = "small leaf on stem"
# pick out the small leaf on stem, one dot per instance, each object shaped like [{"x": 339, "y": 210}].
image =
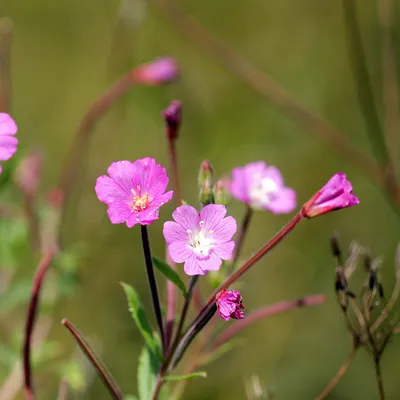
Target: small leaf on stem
[{"x": 200, "y": 374}]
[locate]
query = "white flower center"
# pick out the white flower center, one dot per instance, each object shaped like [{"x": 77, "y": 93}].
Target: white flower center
[
  {"x": 262, "y": 192},
  {"x": 201, "y": 242}
]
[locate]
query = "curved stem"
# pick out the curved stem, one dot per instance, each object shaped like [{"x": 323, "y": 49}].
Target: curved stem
[
  {"x": 30, "y": 321},
  {"x": 379, "y": 379},
  {"x": 342, "y": 370}
]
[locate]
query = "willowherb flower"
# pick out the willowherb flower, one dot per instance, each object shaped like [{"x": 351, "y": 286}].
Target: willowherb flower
[
  {"x": 200, "y": 240},
  {"x": 8, "y": 141},
  {"x": 133, "y": 191},
  {"x": 157, "y": 72},
  {"x": 336, "y": 194},
  {"x": 261, "y": 187},
  {"x": 229, "y": 304}
]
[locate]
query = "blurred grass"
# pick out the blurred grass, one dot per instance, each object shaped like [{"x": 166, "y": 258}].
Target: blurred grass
[{"x": 67, "y": 52}]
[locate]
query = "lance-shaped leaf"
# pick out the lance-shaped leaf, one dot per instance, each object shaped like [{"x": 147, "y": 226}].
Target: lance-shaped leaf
[
  {"x": 194, "y": 375},
  {"x": 147, "y": 373},
  {"x": 170, "y": 274},
  {"x": 139, "y": 316}
]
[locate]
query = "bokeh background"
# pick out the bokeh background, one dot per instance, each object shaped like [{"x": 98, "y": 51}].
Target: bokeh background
[{"x": 66, "y": 53}]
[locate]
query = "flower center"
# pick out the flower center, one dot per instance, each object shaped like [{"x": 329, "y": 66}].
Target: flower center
[
  {"x": 139, "y": 202},
  {"x": 263, "y": 192},
  {"x": 201, "y": 243}
]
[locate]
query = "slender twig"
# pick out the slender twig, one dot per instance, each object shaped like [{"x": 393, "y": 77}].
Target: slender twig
[
  {"x": 6, "y": 36},
  {"x": 378, "y": 374},
  {"x": 30, "y": 321},
  {"x": 266, "y": 86},
  {"x": 244, "y": 226},
  {"x": 152, "y": 283},
  {"x": 265, "y": 312},
  {"x": 390, "y": 80},
  {"x": 342, "y": 370},
  {"x": 63, "y": 389},
  {"x": 104, "y": 374}
]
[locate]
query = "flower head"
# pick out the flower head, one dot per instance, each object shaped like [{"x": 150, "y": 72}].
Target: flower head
[
  {"x": 173, "y": 117},
  {"x": 157, "y": 72},
  {"x": 261, "y": 187},
  {"x": 8, "y": 142},
  {"x": 202, "y": 240},
  {"x": 337, "y": 193},
  {"x": 133, "y": 191},
  {"x": 229, "y": 304}
]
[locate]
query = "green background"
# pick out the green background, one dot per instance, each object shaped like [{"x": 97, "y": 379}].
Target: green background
[{"x": 66, "y": 53}]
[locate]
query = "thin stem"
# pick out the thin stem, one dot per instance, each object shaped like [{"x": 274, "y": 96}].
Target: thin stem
[
  {"x": 389, "y": 78},
  {"x": 379, "y": 379},
  {"x": 152, "y": 283},
  {"x": 63, "y": 389},
  {"x": 30, "y": 321},
  {"x": 255, "y": 258},
  {"x": 104, "y": 374},
  {"x": 158, "y": 387},
  {"x": 6, "y": 38},
  {"x": 265, "y": 312},
  {"x": 171, "y": 304},
  {"x": 342, "y": 370},
  {"x": 244, "y": 226}
]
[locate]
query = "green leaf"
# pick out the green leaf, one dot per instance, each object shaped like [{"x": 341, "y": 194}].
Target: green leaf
[
  {"x": 139, "y": 316},
  {"x": 130, "y": 397},
  {"x": 147, "y": 373},
  {"x": 200, "y": 374},
  {"x": 170, "y": 274}
]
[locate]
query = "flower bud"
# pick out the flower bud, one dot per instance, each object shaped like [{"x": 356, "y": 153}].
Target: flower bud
[
  {"x": 221, "y": 193},
  {"x": 206, "y": 193},
  {"x": 173, "y": 116},
  {"x": 206, "y": 173},
  {"x": 229, "y": 304},
  {"x": 28, "y": 173},
  {"x": 336, "y": 194},
  {"x": 157, "y": 72}
]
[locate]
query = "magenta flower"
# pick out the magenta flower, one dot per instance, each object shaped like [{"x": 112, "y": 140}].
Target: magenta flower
[
  {"x": 229, "y": 304},
  {"x": 157, "y": 72},
  {"x": 336, "y": 194},
  {"x": 202, "y": 240},
  {"x": 134, "y": 191},
  {"x": 8, "y": 142},
  {"x": 261, "y": 187}
]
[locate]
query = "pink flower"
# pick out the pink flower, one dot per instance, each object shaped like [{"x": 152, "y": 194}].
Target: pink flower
[
  {"x": 262, "y": 187},
  {"x": 157, "y": 72},
  {"x": 134, "y": 191},
  {"x": 336, "y": 194},
  {"x": 8, "y": 142},
  {"x": 229, "y": 304},
  {"x": 202, "y": 240}
]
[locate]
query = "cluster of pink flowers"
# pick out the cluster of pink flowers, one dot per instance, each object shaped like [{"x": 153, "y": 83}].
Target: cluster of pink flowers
[
  {"x": 8, "y": 141},
  {"x": 135, "y": 191}
]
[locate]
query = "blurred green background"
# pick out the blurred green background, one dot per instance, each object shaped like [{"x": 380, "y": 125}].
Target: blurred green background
[{"x": 66, "y": 53}]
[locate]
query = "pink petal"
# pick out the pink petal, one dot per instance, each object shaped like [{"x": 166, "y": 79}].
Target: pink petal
[
  {"x": 284, "y": 201},
  {"x": 187, "y": 217},
  {"x": 7, "y": 125},
  {"x": 122, "y": 173},
  {"x": 239, "y": 185},
  {"x": 133, "y": 219},
  {"x": 225, "y": 250},
  {"x": 107, "y": 190},
  {"x": 192, "y": 267},
  {"x": 118, "y": 212},
  {"x": 161, "y": 200},
  {"x": 212, "y": 215},
  {"x": 143, "y": 172},
  {"x": 8, "y": 146},
  {"x": 180, "y": 251},
  {"x": 149, "y": 215},
  {"x": 173, "y": 232},
  {"x": 212, "y": 263},
  {"x": 274, "y": 174},
  {"x": 224, "y": 231},
  {"x": 158, "y": 181}
]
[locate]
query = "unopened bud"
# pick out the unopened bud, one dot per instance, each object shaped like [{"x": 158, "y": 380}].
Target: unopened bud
[
  {"x": 157, "y": 72},
  {"x": 173, "y": 117},
  {"x": 206, "y": 193},
  {"x": 28, "y": 173},
  {"x": 206, "y": 173},
  {"x": 222, "y": 193}
]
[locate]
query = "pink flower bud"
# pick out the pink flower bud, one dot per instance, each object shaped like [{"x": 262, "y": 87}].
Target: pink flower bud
[
  {"x": 336, "y": 194},
  {"x": 28, "y": 173},
  {"x": 157, "y": 72},
  {"x": 173, "y": 116},
  {"x": 229, "y": 304}
]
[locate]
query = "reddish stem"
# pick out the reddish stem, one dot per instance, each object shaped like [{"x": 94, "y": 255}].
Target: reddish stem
[
  {"x": 31, "y": 318},
  {"x": 265, "y": 312}
]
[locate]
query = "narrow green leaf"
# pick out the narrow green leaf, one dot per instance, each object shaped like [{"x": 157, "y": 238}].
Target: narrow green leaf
[
  {"x": 130, "y": 397},
  {"x": 139, "y": 316},
  {"x": 147, "y": 372},
  {"x": 200, "y": 374},
  {"x": 170, "y": 274}
]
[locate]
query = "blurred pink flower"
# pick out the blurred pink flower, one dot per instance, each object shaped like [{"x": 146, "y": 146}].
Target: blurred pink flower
[
  {"x": 261, "y": 187},
  {"x": 202, "y": 240},
  {"x": 133, "y": 191},
  {"x": 336, "y": 194},
  {"x": 229, "y": 304},
  {"x": 157, "y": 72},
  {"x": 8, "y": 142}
]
